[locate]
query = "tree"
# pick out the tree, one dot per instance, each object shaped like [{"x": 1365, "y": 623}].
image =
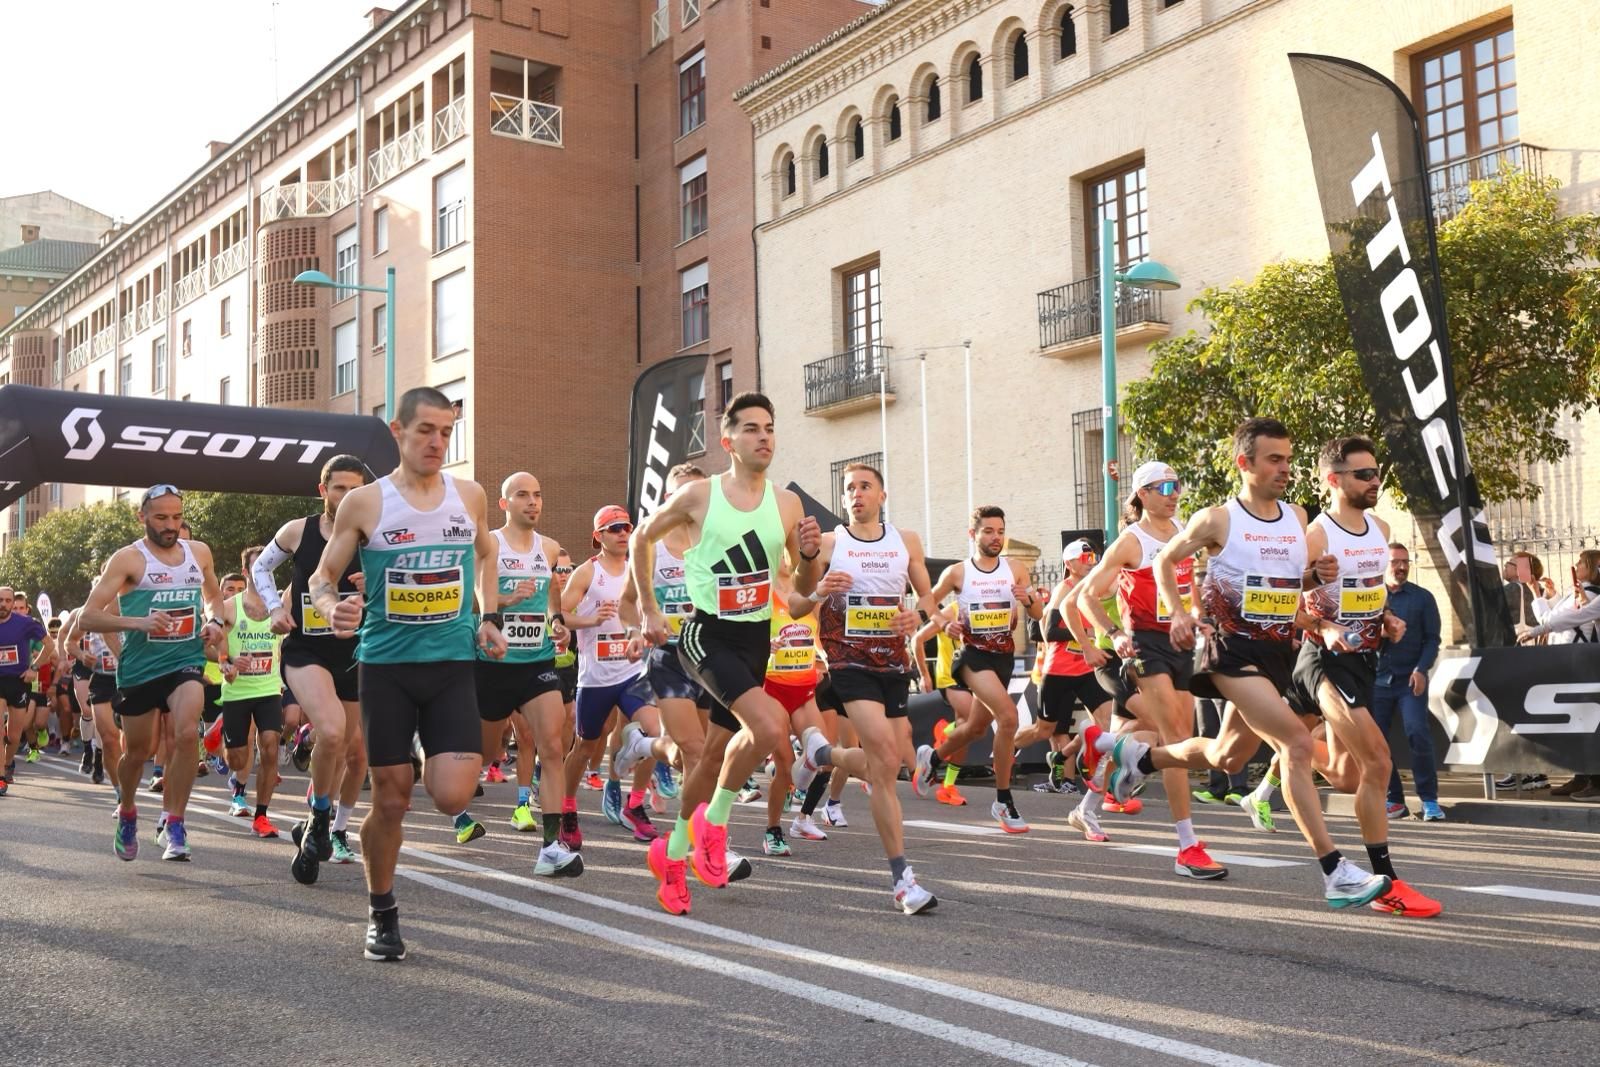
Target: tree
[
  {"x": 63, "y": 552},
  {"x": 1523, "y": 305},
  {"x": 232, "y": 522}
]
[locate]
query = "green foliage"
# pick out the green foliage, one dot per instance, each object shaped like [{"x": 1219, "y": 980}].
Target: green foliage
[
  {"x": 1523, "y": 304},
  {"x": 63, "y": 552},
  {"x": 232, "y": 522}
]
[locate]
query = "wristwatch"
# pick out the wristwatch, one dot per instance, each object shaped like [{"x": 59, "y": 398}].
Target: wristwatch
[{"x": 494, "y": 617}]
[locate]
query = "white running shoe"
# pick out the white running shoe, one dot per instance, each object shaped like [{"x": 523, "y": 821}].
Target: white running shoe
[
  {"x": 558, "y": 861},
  {"x": 806, "y": 767},
  {"x": 1123, "y": 782},
  {"x": 804, "y": 826},
  {"x": 922, "y": 782},
  {"x": 1351, "y": 887},
  {"x": 1009, "y": 820},
  {"x": 910, "y": 897},
  {"x": 1085, "y": 822},
  {"x": 833, "y": 814},
  {"x": 737, "y": 866},
  {"x": 635, "y": 746}
]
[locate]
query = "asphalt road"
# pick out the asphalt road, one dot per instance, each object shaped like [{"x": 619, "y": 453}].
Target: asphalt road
[{"x": 1044, "y": 949}]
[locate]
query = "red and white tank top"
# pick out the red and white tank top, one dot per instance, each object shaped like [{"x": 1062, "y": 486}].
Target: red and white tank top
[
  {"x": 603, "y": 649},
  {"x": 988, "y": 606},
  {"x": 1137, "y": 595},
  {"x": 1355, "y": 599},
  {"x": 858, "y": 626},
  {"x": 1252, "y": 587},
  {"x": 1065, "y": 657}
]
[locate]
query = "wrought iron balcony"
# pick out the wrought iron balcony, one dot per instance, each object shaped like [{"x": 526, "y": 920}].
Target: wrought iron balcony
[
  {"x": 1070, "y": 314},
  {"x": 527, "y": 120},
  {"x": 1450, "y": 185},
  {"x": 449, "y": 122},
  {"x": 848, "y": 381},
  {"x": 404, "y": 151}
]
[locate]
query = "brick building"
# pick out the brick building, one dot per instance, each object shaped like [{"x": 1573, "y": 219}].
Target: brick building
[
  {"x": 559, "y": 185},
  {"x": 44, "y": 237}
]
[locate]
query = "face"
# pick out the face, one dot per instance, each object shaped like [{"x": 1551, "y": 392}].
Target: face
[
  {"x": 184, "y": 531},
  {"x": 990, "y": 537},
  {"x": 753, "y": 439},
  {"x": 1357, "y": 479},
  {"x": 1267, "y": 472},
  {"x": 232, "y": 588},
  {"x": 1585, "y": 569},
  {"x": 163, "y": 520},
  {"x": 1160, "y": 500},
  {"x": 1079, "y": 566},
  {"x": 424, "y": 443},
  {"x": 863, "y": 496},
  {"x": 7, "y": 599},
  {"x": 614, "y": 538},
  {"x": 339, "y": 483},
  {"x": 525, "y": 502},
  {"x": 19, "y": 604},
  {"x": 1399, "y": 566}
]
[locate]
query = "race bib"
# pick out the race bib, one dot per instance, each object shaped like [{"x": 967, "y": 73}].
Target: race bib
[
  {"x": 739, "y": 595},
  {"x": 107, "y": 664},
  {"x": 524, "y": 629},
  {"x": 1164, "y": 613},
  {"x": 677, "y": 612},
  {"x": 796, "y": 650},
  {"x": 1269, "y": 600},
  {"x": 9, "y": 656},
  {"x": 312, "y": 624},
  {"x": 253, "y": 664},
  {"x": 1362, "y": 597},
  {"x": 869, "y": 614},
  {"x": 611, "y": 648},
  {"x": 183, "y": 620},
  {"x": 417, "y": 597},
  {"x": 989, "y": 619}
]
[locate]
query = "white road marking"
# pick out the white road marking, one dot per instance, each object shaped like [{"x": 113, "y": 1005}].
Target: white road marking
[
  {"x": 1050, "y": 1016},
  {"x": 1238, "y": 859},
  {"x": 923, "y": 1025},
  {"x": 956, "y": 828},
  {"x": 1552, "y": 896}
]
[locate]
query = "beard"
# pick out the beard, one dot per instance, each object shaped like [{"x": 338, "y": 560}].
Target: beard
[{"x": 164, "y": 538}]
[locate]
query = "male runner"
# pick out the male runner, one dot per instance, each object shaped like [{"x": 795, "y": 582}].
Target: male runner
[
  {"x": 1337, "y": 665},
  {"x": 989, "y": 597},
  {"x": 425, "y": 546},
  {"x": 17, "y": 634},
  {"x": 97, "y": 654},
  {"x": 1258, "y": 563},
  {"x": 739, "y": 525},
  {"x": 937, "y": 666},
  {"x": 252, "y": 695},
  {"x": 319, "y": 668},
  {"x": 1160, "y": 672},
  {"x": 157, "y": 585}
]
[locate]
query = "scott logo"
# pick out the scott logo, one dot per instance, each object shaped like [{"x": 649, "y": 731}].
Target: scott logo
[
  {"x": 78, "y": 448},
  {"x": 399, "y": 537},
  {"x": 85, "y": 440}
]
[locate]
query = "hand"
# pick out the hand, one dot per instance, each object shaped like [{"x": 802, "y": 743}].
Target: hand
[
  {"x": 1326, "y": 567},
  {"x": 906, "y": 623},
  {"x": 835, "y": 582},
  {"x": 607, "y": 610},
  {"x": 282, "y": 621},
  {"x": 956, "y": 631},
  {"x": 1394, "y": 627},
  {"x": 655, "y": 627},
  {"x": 925, "y": 684},
  {"x": 30, "y": 676},
  {"x": 637, "y": 645},
  {"x": 1528, "y": 637},
  {"x": 359, "y": 580},
  {"x": 809, "y": 534},
  {"x": 1123, "y": 643},
  {"x": 1094, "y": 656},
  {"x": 558, "y": 634},
  {"x": 525, "y": 589},
  {"x": 158, "y": 622},
  {"x": 1333, "y": 636},
  {"x": 1023, "y": 593},
  {"x": 214, "y": 627},
  {"x": 491, "y": 640},
  {"x": 346, "y": 617},
  {"x": 1547, "y": 587},
  {"x": 1181, "y": 630},
  {"x": 1419, "y": 683},
  {"x": 230, "y": 672}
]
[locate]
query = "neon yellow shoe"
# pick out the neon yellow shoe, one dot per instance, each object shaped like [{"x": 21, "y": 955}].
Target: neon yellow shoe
[
  {"x": 523, "y": 819},
  {"x": 469, "y": 829}
]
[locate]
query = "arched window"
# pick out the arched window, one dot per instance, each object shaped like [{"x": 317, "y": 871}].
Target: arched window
[
  {"x": 935, "y": 109},
  {"x": 822, "y": 157},
  {"x": 858, "y": 138},
  {"x": 789, "y": 178},
  {"x": 974, "y": 80},
  {"x": 1069, "y": 33},
  {"x": 1019, "y": 57},
  {"x": 894, "y": 119}
]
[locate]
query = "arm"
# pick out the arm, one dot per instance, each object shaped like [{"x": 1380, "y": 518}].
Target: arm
[
  {"x": 573, "y": 595},
  {"x": 1430, "y": 634},
  {"x": 278, "y": 551},
  {"x": 1028, "y": 598},
  {"x": 803, "y": 541},
  {"x": 1056, "y": 628},
  {"x": 486, "y": 551},
  {"x": 121, "y": 574},
  {"x": 217, "y": 645},
  {"x": 211, "y": 589},
  {"x": 680, "y": 509},
  {"x": 917, "y": 574},
  {"x": 358, "y": 509},
  {"x": 1209, "y": 528},
  {"x": 1569, "y": 618}
]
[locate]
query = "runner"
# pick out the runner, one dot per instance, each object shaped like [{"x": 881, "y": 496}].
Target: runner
[
  {"x": 425, "y": 547},
  {"x": 793, "y": 670},
  {"x": 740, "y": 525},
  {"x": 252, "y": 695},
  {"x": 17, "y": 634},
  {"x": 96, "y": 666},
  {"x": 152, "y": 590},
  {"x": 319, "y": 670},
  {"x": 936, "y": 666},
  {"x": 1337, "y": 666},
  {"x": 1257, "y": 567},
  {"x": 989, "y": 598}
]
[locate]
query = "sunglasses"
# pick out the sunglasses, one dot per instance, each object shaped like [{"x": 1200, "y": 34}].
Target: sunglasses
[
  {"x": 1365, "y": 474},
  {"x": 1170, "y": 487},
  {"x": 163, "y": 489},
  {"x": 617, "y": 528},
  {"x": 1087, "y": 557},
  {"x": 564, "y": 569}
]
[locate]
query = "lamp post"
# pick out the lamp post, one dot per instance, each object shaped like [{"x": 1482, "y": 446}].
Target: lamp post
[
  {"x": 316, "y": 277},
  {"x": 1147, "y": 274}
]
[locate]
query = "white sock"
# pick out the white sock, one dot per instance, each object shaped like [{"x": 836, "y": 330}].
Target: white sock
[
  {"x": 341, "y": 816},
  {"x": 1105, "y": 742},
  {"x": 1263, "y": 793},
  {"x": 1186, "y": 837},
  {"x": 1091, "y": 802}
]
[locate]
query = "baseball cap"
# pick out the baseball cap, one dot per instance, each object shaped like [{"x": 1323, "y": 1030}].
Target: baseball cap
[
  {"x": 1076, "y": 549},
  {"x": 605, "y": 517},
  {"x": 1153, "y": 473}
]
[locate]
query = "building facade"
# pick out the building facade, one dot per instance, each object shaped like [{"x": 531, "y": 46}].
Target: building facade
[
  {"x": 44, "y": 237},
  {"x": 522, "y": 168},
  {"x": 936, "y": 176}
]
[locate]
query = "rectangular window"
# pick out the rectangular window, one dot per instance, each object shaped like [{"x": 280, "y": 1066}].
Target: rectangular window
[
  {"x": 344, "y": 357},
  {"x": 225, "y": 315},
  {"x": 101, "y": 388},
  {"x": 380, "y": 231},
  {"x": 158, "y": 363},
  {"x": 225, "y": 392},
  {"x": 185, "y": 339},
  {"x": 696, "y": 288},
  {"x": 125, "y": 376},
  {"x": 697, "y": 421},
  {"x": 724, "y": 385},
  {"x": 863, "y": 311},
  {"x": 344, "y": 262},
  {"x": 692, "y": 92},
  {"x": 692, "y": 196},
  {"x": 450, "y": 208},
  {"x": 1089, "y": 465},
  {"x": 456, "y": 392},
  {"x": 1466, "y": 91},
  {"x": 450, "y": 300},
  {"x": 1122, "y": 197},
  {"x": 380, "y": 328},
  {"x": 1118, "y": 16}
]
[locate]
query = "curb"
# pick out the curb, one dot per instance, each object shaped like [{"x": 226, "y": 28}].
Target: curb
[{"x": 1572, "y": 816}]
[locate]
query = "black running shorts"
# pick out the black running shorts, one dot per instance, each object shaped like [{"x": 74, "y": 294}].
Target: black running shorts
[
  {"x": 669, "y": 681},
  {"x": 13, "y": 690},
  {"x": 1113, "y": 680},
  {"x": 341, "y": 668},
  {"x": 1061, "y": 693},
  {"x": 568, "y": 676},
  {"x": 437, "y": 701},
  {"x": 892, "y": 690},
  {"x": 727, "y": 658},
  {"x": 102, "y": 688},
  {"x": 505, "y": 687},
  {"x": 1233, "y": 656},
  {"x": 977, "y": 660},
  {"x": 156, "y": 694},
  {"x": 1353, "y": 674},
  {"x": 1157, "y": 656},
  {"x": 237, "y": 715}
]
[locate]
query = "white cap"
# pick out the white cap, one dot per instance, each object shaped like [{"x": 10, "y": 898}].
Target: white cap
[
  {"x": 1075, "y": 549},
  {"x": 1152, "y": 473}
]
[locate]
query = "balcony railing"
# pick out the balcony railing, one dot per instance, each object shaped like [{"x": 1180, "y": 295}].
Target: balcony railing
[
  {"x": 659, "y": 28},
  {"x": 297, "y": 200},
  {"x": 1071, "y": 312},
  {"x": 399, "y": 154},
  {"x": 847, "y": 378},
  {"x": 228, "y": 262},
  {"x": 343, "y": 189},
  {"x": 1450, "y": 185},
  {"x": 189, "y": 287},
  {"x": 129, "y": 324},
  {"x": 104, "y": 341},
  {"x": 77, "y": 357},
  {"x": 530, "y": 120},
  {"x": 449, "y": 122}
]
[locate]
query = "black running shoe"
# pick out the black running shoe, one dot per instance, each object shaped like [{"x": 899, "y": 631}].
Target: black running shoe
[
  {"x": 87, "y": 764},
  {"x": 306, "y": 864},
  {"x": 321, "y": 834},
  {"x": 97, "y": 774},
  {"x": 383, "y": 936}
]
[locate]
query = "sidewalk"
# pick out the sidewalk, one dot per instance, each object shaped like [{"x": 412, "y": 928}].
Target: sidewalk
[{"x": 1461, "y": 797}]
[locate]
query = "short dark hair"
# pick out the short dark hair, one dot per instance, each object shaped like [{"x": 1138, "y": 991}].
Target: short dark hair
[
  {"x": 421, "y": 396},
  {"x": 344, "y": 463},
  {"x": 858, "y": 465},
  {"x": 748, "y": 399},
  {"x": 685, "y": 470},
  {"x": 1337, "y": 451},
  {"x": 232, "y": 576},
  {"x": 1251, "y": 430},
  {"x": 1400, "y": 546},
  {"x": 986, "y": 511},
  {"x": 247, "y": 554}
]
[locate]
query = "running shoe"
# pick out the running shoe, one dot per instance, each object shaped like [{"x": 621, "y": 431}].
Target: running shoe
[
  {"x": 1088, "y": 824},
  {"x": 558, "y": 861},
  {"x": 634, "y": 748},
  {"x": 949, "y": 794},
  {"x": 33, "y": 755},
  {"x": 494, "y": 775},
  {"x": 161, "y": 831},
  {"x": 522, "y": 819},
  {"x": 833, "y": 814},
  {"x": 708, "y": 846},
  {"x": 611, "y": 802},
  {"x": 673, "y": 892},
  {"x": 1397, "y": 811},
  {"x": 666, "y": 784},
  {"x": 1125, "y": 775},
  {"x": 202, "y": 769},
  {"x": 1432, "y": 812},
  {"x": 1350, "y": 887},
  {"x": 300, "y": 751},
  {"x": 1008, "y": 818},
  {"x": 657, "y": 802},
  {"x": 126, "y": 842},
  {"x": 469, "y": 831},
  {"x": 739, "y": 868},
  {"x": 750, "y": 793},
  {"x": 941, "y": 729},
  {"x": 570, "y": 835},
  {"x": 910, "y": 897},
  {"x": 637, "y": 820},
  {"x": 98, "y": 774},
  {"x": 922, "y": 776},
  {"x": 262, "y": 827},
  {"x": 211, "y": 740},
  {"x": 1088, "y": 758},
  {"x": 1260, "y": 813},
  {"x": 1401, "y": 899},
  {"x": 1133, "y": 807},
  {"x": 238, "y": 807},
  {"x": 383, "y": 936},
  {"x": 1038, "y": 787},
  {"x": 1194, "y": 862},
  {"x": 42, "y": 739},
  {"x": 341, "y": 847},
  {"x": 1233, "y": 798},
  {"x": 177, "y": 842},
  {"x": 773, "y": 843},
  {"x": 807, "y": 766},
  {"x": 1058, "y": 773},
  {"x": 805, "y": 827},
  {"x": 87, "y": 764},
  {"x": 1206, "y": 796},
  {"x": 592, "y": 781}
]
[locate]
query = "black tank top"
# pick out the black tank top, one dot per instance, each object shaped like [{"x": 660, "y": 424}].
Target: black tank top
[{"x": 306, "y": 559}]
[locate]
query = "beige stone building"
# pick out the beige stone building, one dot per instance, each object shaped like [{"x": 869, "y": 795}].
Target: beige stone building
[{"x": 44, "y": 237}]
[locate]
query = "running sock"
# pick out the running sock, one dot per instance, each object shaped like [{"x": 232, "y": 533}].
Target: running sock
[
  {"x": 1186, "y": 835},
  {"x": 381, "y": 901},
  {"x": 320, "y": 802},
  {"x": 1269, "y": 785},
  {"x": 261, "y": 810},
  {"x": 463, "y": 820},
  {"x": 524, "y": 795},
  {"x": 1105, "y": 743},
  {"x": 951, "y": 773},
  {"x": 1330, "y": 862},
  {"x": 897, "y": 867},
  {"x": 1381, "y": 864},
  {"x": 552, "y": 826},
  {"x": 158, "y": 771},
  {"x": 815, "y": 792},
  {"x": 1091, "y": 802},
  {"x": 569, "y": 804},
  {"x": 1004, "y": 797},
  {"x": 341, "y": 815},
  {"x": 128, "y": 813},
  {"x": 678, "y": 843},
  {"x": 721, "y": 806},
  {"x": 825, "y": 756},
  {"x": 1147, "y": 764},
  {"x": 635, "y": 798}
]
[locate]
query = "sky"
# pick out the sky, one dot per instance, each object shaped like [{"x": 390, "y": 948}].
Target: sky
[{"x": 112, "y": 103}]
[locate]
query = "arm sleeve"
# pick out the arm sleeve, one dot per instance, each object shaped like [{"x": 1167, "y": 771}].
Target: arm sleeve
[
  {"x": 1430, "y": 634},
  {"x": 1570, "y": 618},
  {"x": 272, "y": 557}
]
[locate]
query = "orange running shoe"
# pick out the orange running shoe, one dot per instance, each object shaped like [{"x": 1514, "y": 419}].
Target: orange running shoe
[
  {"x": 1088, "y": 758},
  {"x": 708, "y": 849},
  {"x": 494, "y": 774},
  {"x": 262, "y": 827},
  {"x": 673, "y": 892},
  {"x": 1401, "y": 899},
  {"x": 592, "y": 781},
  {"x": 1195, "y": 862},
  {"x": 213, "y": 738},
  {"x": 949, "y": 794},
  {"x": 940, "y": 729},
  {"x": 1133, "y": 806}
]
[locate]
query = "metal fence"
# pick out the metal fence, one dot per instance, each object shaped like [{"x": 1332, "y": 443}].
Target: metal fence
[
  {"x": 847, "y": 376},
  {"x": 1071, "y": 312}
]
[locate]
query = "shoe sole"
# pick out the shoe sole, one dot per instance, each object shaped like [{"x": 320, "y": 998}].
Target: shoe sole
[
  {"x": 477, "y": 832},
  {"x": 1013, "y": 830},
  {"x": 933, "y": 902},
  {"x": 1362, "y": 901},
  {"x": 378, "y": 957},
  {"x": 175, "y": 857},
  {"x": 1201, "y": 874},
  {"x": 571, "y": 870}
]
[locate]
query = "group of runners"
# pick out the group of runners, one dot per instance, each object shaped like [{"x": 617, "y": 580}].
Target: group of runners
[{"x": 724, "y": 630}]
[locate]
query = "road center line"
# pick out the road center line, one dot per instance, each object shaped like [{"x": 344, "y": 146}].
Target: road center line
[{"x": 1552, "y": 896}]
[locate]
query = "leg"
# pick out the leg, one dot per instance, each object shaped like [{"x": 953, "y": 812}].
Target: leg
[
  {"x": 185, "y": 704},
  {"x": 878, "y": 762},
  {"x": 267, "y": 776},
  {"x": 1258, "y": 703},
  {"x": 1358, "y": 734},
  {"x": 1172, "y": 716},
  {"x": 680, "y": 720},
  {"x": 320, "y": 702},
  {"x": 546, "y": 719},
  {"x": 988, "y": 688},
  {"x": 381, "y": 829},
  {"x": 355, "y": 757},
  {"x": 1414, "y": 713},
  {"x": 139, "y": 734}
]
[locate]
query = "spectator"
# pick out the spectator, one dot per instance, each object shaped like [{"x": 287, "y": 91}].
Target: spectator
[
  {"x": 1574, "y": 618},
  {"x": 1402, "y": 682},
  {"x": 1519, "y": 598}
]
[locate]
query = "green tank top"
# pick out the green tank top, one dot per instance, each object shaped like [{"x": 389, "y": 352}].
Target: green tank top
[
  {"x": 253, "y": 648},
  {"x": 729, "y": 571},
  {"x": 525, "y": 623},
  {"x": 566, "y": 659},
  {"x": 174, "y": 589},
  {"x": 419, "y": 574},
  {"x": 1113, "y": 609}
]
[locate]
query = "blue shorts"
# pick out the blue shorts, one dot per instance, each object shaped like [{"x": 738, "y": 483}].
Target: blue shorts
[
  {"x": 670, "y": 682},
  {"x": 596, "y": 701}
]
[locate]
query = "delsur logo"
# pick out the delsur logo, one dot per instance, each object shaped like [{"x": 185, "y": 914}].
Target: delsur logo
[
  {"x": 85, "y": 440},
  {"x": 161, "y": 578},
  {"x": 398, "y": 537}
]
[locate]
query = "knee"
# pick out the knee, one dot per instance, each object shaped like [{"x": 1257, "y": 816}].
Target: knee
[
  {"x": 390, "y": 805},
  {"x": 883, "y": 755},
  {"x": 1297, "y": 753},
  {"x": 332, "y": 737},
  {"x": 768, "y": 732},
  {"x": 691, "y": 750},
  {"x": 1005, "y": 722}
]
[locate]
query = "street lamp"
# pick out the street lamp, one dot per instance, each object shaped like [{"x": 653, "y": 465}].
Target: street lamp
[
  {"x": 316, "y": 277},
  {"x": 1144, "y": 275}
]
